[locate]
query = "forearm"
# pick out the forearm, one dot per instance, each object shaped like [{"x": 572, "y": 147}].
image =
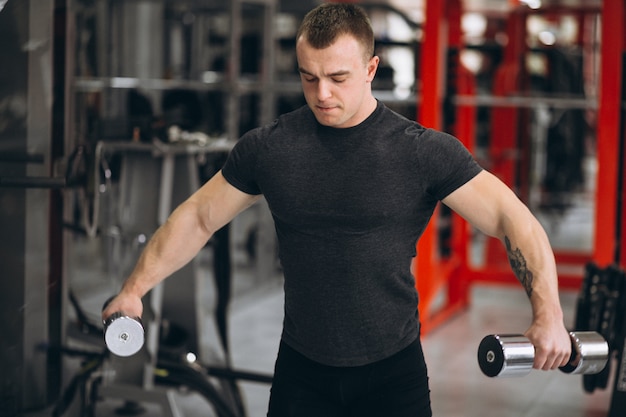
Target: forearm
[
  {"x": 532, "y": 261},
  {"x": 171, "y": 247}
]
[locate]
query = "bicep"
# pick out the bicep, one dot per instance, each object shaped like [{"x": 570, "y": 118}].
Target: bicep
[{"x": 488, "y": 204}]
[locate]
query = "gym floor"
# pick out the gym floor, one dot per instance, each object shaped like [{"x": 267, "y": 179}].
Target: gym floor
[{"x": 458, "y": 387}]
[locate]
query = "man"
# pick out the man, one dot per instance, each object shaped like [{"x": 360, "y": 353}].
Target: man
[{"x": 351, "y": 186}]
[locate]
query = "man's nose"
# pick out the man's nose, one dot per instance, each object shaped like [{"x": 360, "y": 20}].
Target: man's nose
[{"x": 323, "y": 90}]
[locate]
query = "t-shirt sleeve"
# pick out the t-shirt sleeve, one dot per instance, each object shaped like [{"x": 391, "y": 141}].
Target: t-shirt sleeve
[
  {"x": 239, "y": 168},
  {"x": 449, "y": 163}
]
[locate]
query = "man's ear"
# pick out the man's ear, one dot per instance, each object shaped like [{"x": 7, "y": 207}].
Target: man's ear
[{"x": 372, "y": 66}]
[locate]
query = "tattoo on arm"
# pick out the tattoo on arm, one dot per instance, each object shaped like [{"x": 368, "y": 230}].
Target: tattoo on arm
[{"x": 518, "y": 264}]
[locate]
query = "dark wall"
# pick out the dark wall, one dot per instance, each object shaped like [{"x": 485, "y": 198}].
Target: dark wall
[
  {"x": 13, "y": 97},
  {"x": 25, "y": 103}
]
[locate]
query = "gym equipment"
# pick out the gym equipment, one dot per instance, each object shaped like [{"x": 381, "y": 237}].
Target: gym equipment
[
  {"x": 165, "y": 349},
  {"x": 123, "y": 335},
  {"x": 513, "y": 355},
  {"x": 601, "y": 307}
]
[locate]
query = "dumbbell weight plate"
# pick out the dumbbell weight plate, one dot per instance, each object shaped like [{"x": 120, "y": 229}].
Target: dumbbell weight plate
[
  {"x": 123, "y": 335},
  {"x": 505, "y": 355},
  {"x": 590, "y": 353}
]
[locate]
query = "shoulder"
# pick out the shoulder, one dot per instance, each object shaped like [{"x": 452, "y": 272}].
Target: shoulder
[
  {"x": 272, "y": 139},
  {"x": 287, "y": 123},
  {"x": 440, "y": 143},
  {"x": 397, "y": 124}
]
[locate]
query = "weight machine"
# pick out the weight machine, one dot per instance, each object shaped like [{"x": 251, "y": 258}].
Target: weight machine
[
  {"x": 178, "y": 349},
  {"x": 186, "y": 332}
]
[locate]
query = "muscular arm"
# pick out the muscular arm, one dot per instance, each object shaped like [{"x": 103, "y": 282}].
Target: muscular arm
[
  {"x": 493, "y": 208},
  {"x": 180, "y": 239}
]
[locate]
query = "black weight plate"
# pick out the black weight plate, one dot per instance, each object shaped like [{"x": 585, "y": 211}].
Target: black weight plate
[{"x": 490, "y": 356}]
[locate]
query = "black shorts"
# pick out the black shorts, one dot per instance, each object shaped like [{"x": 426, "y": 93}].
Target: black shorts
[{"x": 393, "y": 387}]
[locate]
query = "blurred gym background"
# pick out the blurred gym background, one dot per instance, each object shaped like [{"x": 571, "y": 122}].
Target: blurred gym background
[{"x": 112, "y": 112}]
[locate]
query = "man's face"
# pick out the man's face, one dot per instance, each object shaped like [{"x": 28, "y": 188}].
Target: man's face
[{"x": 337, "y": 81}]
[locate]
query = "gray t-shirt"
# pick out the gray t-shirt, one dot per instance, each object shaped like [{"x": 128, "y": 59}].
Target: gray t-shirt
[{"x": 349, "y": 206}]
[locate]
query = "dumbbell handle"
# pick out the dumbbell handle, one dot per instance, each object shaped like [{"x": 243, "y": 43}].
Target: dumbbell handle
[{"x": 513, "y": 355}]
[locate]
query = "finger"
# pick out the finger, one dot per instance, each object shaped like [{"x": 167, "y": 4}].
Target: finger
[
  {"x": 565, "y": 358},
  {"x": 554, "y": 360},
  {"x": 546, "y": 360},
  {"x": 540, "y": 360}
]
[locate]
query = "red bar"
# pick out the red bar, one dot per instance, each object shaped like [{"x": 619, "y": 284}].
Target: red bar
[
  {"x": 432, "y": 65},
  {"x": 435, "y": 275},
  {"x": 429, "y": 114},
  {"x": 608, "y": 131}
]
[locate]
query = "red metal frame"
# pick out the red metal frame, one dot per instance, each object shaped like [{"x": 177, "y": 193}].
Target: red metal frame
[
  {"x": 453, "y": 276},
  {"x": 435, "y": 274},
  {"x": 610, "y": 104},
  {"x": 622, "y": 233},
  {"x": 504, "y": 149},
  {"x": 506, "y": 155}
]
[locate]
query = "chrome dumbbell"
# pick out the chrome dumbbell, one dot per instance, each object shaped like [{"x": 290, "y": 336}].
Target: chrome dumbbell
[
  {"x": 123, "y": 335},
  {"x": 513, "y": 355}
]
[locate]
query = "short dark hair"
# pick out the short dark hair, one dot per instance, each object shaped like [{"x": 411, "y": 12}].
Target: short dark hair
[{"x": 324, "y": 24}]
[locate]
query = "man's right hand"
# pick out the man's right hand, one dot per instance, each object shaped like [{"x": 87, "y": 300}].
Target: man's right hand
[{"x": 128, "y": 304}]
